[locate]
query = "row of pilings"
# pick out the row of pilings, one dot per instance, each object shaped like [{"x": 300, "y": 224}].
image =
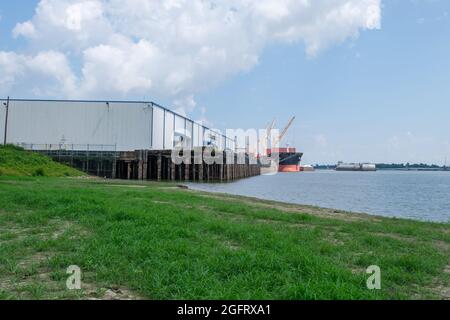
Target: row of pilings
[{"x": 159, "y": 166}]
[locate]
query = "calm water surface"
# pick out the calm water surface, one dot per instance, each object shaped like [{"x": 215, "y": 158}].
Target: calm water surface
[{"x": 404, "y": 194}]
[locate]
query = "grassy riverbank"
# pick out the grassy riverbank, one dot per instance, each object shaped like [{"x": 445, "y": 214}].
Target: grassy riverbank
[
  {"x": 158, "y": 241},
  {"x": 15, "y": 161}
]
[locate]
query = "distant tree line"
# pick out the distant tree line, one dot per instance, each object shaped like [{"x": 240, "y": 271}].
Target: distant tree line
[
  {"x": 407, "y": 166},
  {"x": 324, "y": 167}
]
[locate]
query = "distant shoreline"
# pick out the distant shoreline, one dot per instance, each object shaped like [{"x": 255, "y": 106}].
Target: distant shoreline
[
  {"x": 416, "y": 169},
  {"x": 399, "y": 169}
]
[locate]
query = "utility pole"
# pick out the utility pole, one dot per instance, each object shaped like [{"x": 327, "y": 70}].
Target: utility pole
[{"x": 6, "y": 120}]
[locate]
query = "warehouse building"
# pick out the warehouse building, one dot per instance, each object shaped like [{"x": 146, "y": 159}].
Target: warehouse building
[
  {"x": 124, "y": 126},
  {"x": 123, "y": 139}
]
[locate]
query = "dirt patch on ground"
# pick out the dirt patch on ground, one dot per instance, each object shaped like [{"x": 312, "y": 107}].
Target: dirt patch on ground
[
  {"x": 358, "y": 270},
  {"x": 93, "y": 292},
  {"x": 33, "y": 275},
  {"x": 334, "y": 239},
  {"x": 161, "y": 202},
  {"x": 394, "y": 236},
  {"x": 85, "y": 177},
  {"x": 294, "y": 225},
  {"x": 443, "y": 292},
  {"x": 441, "y": 288},
  {"x": 442, "y": 245},
  {"x": 30, "y": 275},
  {"x": 126, "y": 186},
  {"x": 57, "y": 290},
  {"x": 168, "y": 188},
  {"x": 53, "y": 229},
  {"x": 35, "y": 259},
  {"x": 61, "y": 228},
  {"x": 230, "y": 244},
  {"x": 120, "y": 294},
  {"x": 300, "y": 209}
]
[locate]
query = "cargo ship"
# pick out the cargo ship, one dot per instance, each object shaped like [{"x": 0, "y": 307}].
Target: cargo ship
[{"x": 289, "y": 159}]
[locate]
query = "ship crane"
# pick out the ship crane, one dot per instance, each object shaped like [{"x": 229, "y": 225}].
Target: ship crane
[
  {"x": 283, "y": 133},
  {"x": 283, "y": 159},
  {"x": 269, "y": 129}
]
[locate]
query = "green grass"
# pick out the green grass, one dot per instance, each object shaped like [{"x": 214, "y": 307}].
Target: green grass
[
  {"x": 15, "y": 161},
  {"x": 156, "y": 241}
]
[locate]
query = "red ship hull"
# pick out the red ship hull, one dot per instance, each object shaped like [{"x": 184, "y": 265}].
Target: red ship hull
[
  {"x": 289, "y": 168},
  {"x": 289, "y": 159}
]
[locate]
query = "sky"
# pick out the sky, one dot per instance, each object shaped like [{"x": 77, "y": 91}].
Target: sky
[{"x": 366, "y": 79}]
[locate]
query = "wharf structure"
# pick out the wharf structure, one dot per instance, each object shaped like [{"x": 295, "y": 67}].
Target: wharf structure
[{"x": 131, "y": 140}]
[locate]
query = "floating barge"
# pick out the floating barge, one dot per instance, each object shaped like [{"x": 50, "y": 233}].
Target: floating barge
[{"x": 370, "y": 167}]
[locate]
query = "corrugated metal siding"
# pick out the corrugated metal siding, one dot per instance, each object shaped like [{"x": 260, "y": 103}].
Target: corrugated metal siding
[
  {"x": 128, "y": 126},
  {"x": 190, "y": 132},
  {"x": 232, "y": 145},
  {"x": 196, "y": 136},
  {"x": 158, "y": 128},
  {"x": 125, "y": 125},
  {"x": 169, "y": 127},
  {"x": 2, "y": 121},
  {"x": 180, "y": 124}
]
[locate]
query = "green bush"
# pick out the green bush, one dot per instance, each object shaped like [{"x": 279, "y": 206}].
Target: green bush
[
  {"x": 39, "y": 172},
  {"x": 1, "y": 172},
  {"x": 11, "y": 147}
]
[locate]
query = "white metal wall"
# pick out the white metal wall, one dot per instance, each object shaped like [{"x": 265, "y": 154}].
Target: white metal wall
[
  {"x": 158, "y": 128},
  {"x": 190, "y": 132},
  {"x": 169, "y": 128},
  {"x": 197, "y": 135},
  {"x": 231, "y": 145},
  {"x": 125, "y": 125},
  {"x": 2, "y": 120},
  {"x": 128, "y": 126}
]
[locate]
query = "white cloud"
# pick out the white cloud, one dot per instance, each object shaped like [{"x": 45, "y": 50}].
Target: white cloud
[
  {"x": 11, "y": 66},
  {"x": 185, "y": 105},
  {"x": 25, "y": 29},
  {"x": 46, "y": 73},
  {"x": 203, "y": 120},
  {"x": 171, "y": 48}
]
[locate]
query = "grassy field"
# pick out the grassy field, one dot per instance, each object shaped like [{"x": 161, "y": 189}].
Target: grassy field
[
  {"x": 157, "y": 241},
  {"x": 15, "y": 161}
]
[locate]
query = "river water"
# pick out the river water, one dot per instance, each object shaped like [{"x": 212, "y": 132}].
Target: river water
[{"x": 403, "y": 194}]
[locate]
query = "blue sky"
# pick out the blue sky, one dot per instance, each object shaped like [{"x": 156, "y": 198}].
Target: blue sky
[{"x": 382, "y": 96}]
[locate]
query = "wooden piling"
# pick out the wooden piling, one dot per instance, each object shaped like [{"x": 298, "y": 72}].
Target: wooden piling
[
  {"x": 159, "y": 167},
  {"x": 187, "y": 172},
  {"x": 200, "y": 172}
]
